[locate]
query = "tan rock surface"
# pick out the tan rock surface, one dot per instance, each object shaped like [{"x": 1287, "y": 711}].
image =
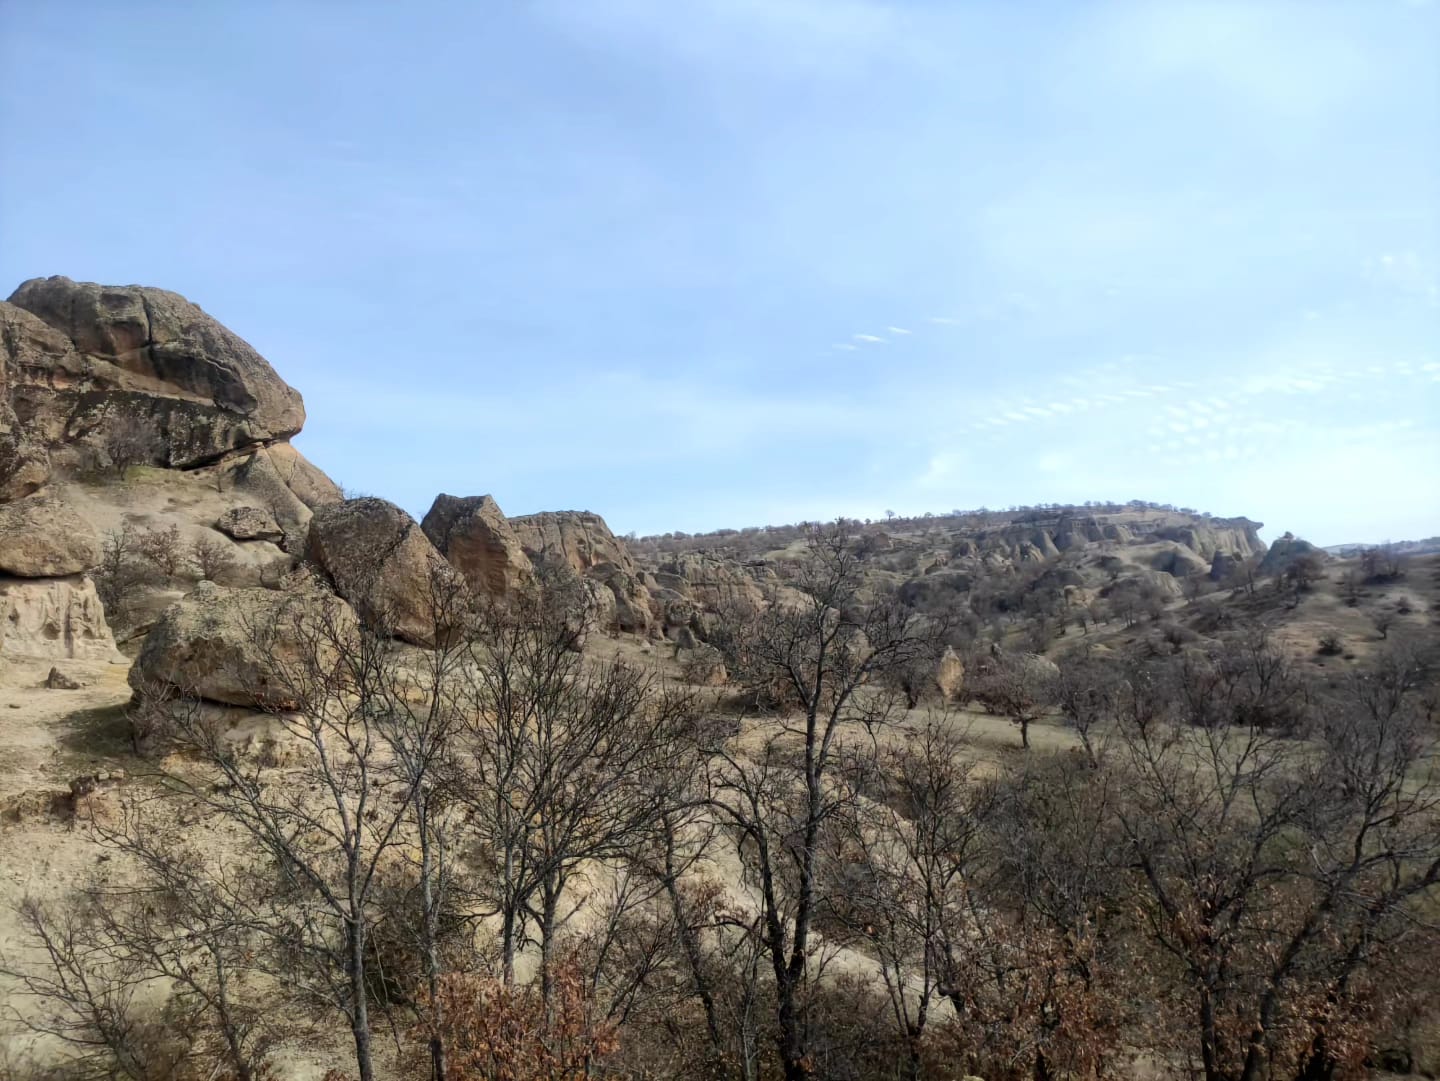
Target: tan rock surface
[
  {"x": 224, "y": 645},
  {"x": 381, "y": 561},
  {"x": 53, "y": 619},
  {"x": 474, "y": 535},
  {"x": 42, "y": 537}
]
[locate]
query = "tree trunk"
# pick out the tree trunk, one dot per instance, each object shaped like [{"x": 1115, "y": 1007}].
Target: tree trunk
[
  {"x": 431, "y": 945},
  {"x": 790, "y": 1040},
  {"x": 359, "y": 1004}
]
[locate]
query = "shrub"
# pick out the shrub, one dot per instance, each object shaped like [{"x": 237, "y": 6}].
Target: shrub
[{"x": 163, "y": 549}]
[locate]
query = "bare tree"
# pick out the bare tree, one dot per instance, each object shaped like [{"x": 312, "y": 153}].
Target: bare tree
[
  {"x": 1021, "y": 687},
  {"x": 826, "y": 650},
  {"x": 212, "y": 557},
  {"x": 327, "y": 824},
  {"x": 125, "y": 443},
  {"x": 564, "y": 764},
  {"x": 1274, "y": 877}
]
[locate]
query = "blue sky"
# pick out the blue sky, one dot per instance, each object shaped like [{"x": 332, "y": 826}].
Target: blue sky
[{"x": 695, "y": 263}]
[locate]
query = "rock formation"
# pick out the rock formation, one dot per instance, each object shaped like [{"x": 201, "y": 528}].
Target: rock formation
[
  {"x": 98, "y": 366},
  {"x": 578, "y": 538},
  {"x": 54, "y": 619},
  {"x": 40, "y": 537},
  {"x": 225, "y": 645},
  {"x": 380, "y": 561},
  {"x": 479, "y": 542},
  {"x": 249, "y": 523}
]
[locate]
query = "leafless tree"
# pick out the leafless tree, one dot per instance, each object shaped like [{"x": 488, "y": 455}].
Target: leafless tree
[
  {"x": 1021, "y": 687},
  {"x": 212, "y": 557},
  {"x": 327, "y": 823},
  {"x": 564, "y": 763},
  {"x": 826, "y": 650},
  {"x": 1279, "y": 879},
  {"x": 125, "y": 443}
]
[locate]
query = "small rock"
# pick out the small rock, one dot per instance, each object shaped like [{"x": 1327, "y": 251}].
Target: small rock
[{"x": 60, "y": 681}]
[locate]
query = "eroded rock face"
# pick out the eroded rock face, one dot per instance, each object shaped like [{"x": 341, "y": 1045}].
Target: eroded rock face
[
  {"x": 579, "y": 538},
  {"x": 476, "y": 538},
  {"x": 54, "y": 619},
  {"x": 234, "y": 645},
  {"x": 381, "y": 562},
  {"x": 97, "y": 375},
  {"x": 41, "y": 537},
  {"x": 89, "y": 364}
]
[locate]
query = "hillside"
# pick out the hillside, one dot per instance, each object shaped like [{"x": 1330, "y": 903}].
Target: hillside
[{"x": 292, "y": 784}]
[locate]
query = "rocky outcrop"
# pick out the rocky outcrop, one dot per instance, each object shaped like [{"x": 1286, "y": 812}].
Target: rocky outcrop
[
  {"x": 54, "y": 619},
  {"x": 1179, "y": 561},
  {"x": 41, "y": 537},
  {"x": 235, "y": 646},
  {"x": 24, "y": 463},
  {"x": 1237, "y": 537},
  {"x": 249, "y": 523},
  {"x": 949, "y": 675},
  {"x": 92, "y": 368},
  {"x": 716, "y": 584},
  {"x": 1286, "y": 551},
  {"x": 475, "y": 537},
  {"x": 380, "y": 561},
  {"x": 578, "y": 538},
  {"x": 635, "y": 608}
]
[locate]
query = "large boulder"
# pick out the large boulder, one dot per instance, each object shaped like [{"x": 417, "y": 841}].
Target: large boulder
[
  {"x": 380, "y": 561},
  {"x": 1286, "y": 551},
  {"x": 93, "y": 367},
  {"x": 578, "y": 538},
  {"x": 949, "y": 675},
  {"x": 249, "y": 523},
  {"x": 54, "y": 619},
  {"x": 40, "y": 537},
  {"x": 472, "y": 533},
  {"x": 240, "y": 646}
]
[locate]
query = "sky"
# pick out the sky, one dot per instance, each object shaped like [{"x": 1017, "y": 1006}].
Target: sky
[{"x": 705, "y": 263}]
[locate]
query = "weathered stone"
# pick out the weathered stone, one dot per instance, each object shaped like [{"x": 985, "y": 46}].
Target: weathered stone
[
  {"x": 41, "y": 537},
  {"x": 579, "y": 538},
  {"x": 233, "y": 645},
  {"x": 54, "y": 619},
  {"x": 249, "y": 523},
  {"x": 142, "y": 362},
  {"x": 381, "y": 562},
  {"x": 950, "y": 675},
  {"x": 63, "y": 681},
  {"x": 474, "y": 536}
]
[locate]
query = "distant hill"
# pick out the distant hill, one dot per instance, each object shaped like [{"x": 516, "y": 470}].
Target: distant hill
[{"x": 1428, "y": 546}]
